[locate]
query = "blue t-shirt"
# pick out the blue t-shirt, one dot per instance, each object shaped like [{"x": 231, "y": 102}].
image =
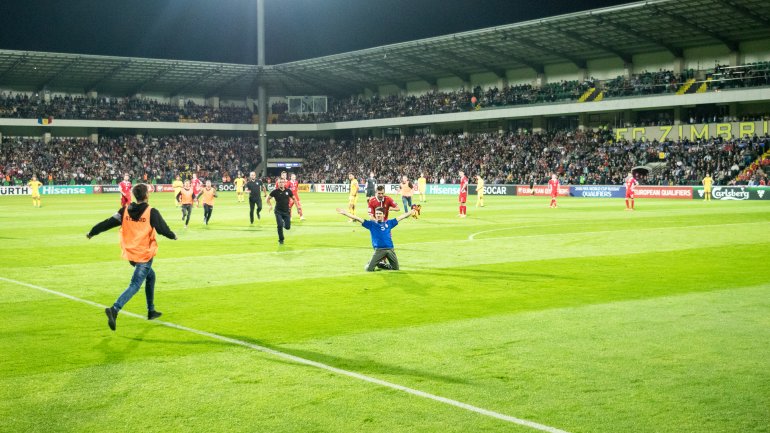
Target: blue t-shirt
[{"x": 381, "y": 237}]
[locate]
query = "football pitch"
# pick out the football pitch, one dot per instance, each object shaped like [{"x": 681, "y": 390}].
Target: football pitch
[{"x": 519, "y": 318}]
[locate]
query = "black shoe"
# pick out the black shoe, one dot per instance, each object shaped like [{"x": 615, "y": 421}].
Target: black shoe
[
  {"x": 258, "y": 216},
  {"x": 112, "y": 316},
  {"x": 280, "y": 241},
  {"x": 385, "y": 266},
  {"x": 153, "y": 314}
]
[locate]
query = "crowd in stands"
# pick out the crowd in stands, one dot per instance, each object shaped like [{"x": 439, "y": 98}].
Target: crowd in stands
[
  {"x": 578, "y": 157},
  {"x": 748, "y": 75},
  {"x": 436, "y": 102},
  {"x": 381, "y": 106},
  {"x": 24, "y": 106},
  {"x": 150, "y": 159}
]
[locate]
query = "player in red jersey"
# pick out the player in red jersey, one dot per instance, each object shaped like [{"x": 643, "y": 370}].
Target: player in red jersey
[
  {"x": 196, "y": 184},
  {"x": 381, "y": 200},
  {"x": 554, "y": 185},
  {"x": 293, "y": 186},
  {"x": 631, "y": 184},
  {"x": 463, "y": 197},
  {"x": 125, "y": 191}
]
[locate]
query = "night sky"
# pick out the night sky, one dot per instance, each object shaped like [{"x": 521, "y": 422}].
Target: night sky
[{"x": 225, "y": 30}]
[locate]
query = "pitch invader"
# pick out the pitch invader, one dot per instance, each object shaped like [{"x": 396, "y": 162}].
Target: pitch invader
[
  {"x": 631, "y": 184},
  {"x": 125, "y": 191},
  {"x": 554, "y": 185},
  {"x": 463, "y": 196}
]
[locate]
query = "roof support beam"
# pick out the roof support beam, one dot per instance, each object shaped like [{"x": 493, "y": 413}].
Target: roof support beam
[
  {"x": 539, "y": 68},
  {"x": 729, "y": 43},
  {"x": 155, "y": 77},
  {"x": 625, "y": 57},
  {"x": 235, "y": 79},
  {"x": 383, "y": 64},
  {"x": 376, "y": 76},
  {"x": 311, "y": 81},
  {"x": 500, "y": 73},
  {"x": 675, "y": 51},
  {"x": 20, "y": 61},
  {"x": 196, "y": 80},
  {"x": 580, "y": 63},
  {"x": 109, "y": 74},
  {"x": 465, "y": 77},
  {"x": 341, "y": 82},
  {"x": 746, "y": 12},
  {"x": 58, "y": 73}
]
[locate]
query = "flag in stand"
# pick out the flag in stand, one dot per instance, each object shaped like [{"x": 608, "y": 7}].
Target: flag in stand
[{"x": 45, "y": 120}]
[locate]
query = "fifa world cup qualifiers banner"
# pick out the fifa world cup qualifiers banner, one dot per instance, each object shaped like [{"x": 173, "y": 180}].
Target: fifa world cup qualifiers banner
[
  {"x": 598, "y": 191},
  {"x": 641, "y": 191},
  {"x": 541, "y": 190}
]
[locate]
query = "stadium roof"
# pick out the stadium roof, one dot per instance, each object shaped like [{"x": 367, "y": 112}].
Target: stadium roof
[{"x": 616, "y": 32}]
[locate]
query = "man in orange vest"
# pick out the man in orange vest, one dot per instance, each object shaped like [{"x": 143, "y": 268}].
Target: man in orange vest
[{"x": 138, "y": 224}]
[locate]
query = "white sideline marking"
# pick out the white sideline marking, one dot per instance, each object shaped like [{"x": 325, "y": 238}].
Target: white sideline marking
[
  {"x": 472, "y": 236},
  {"x": 304, "y": 361}
]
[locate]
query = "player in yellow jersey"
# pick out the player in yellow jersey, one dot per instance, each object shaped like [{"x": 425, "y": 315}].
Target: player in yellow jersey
[
  {"x": 35, "y": 185},
  {"x": 239, "y": 182},
  {"x": 177, "y": 185},
  {"x": 479, "y": 191},
  {"x": 707, "y": 182},
  {"x": 353, "y": 196},
  {"x": 422, "y": 185}
]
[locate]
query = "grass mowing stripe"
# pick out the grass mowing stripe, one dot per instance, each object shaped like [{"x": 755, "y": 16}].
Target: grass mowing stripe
[{"x": 299, "y": 360}]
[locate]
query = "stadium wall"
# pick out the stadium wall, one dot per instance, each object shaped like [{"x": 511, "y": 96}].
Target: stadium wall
[
  {"x": 605, "y": 69},
  {"x": 653, "y": 62},
  {"x": 521, "y": 76},
  {"x": 756, "y": 51}
]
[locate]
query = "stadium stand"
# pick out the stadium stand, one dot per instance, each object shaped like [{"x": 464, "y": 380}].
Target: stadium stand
[{"x": 578, "y": 157}]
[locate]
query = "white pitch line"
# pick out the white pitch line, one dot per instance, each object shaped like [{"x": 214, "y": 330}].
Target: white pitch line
[{"x": 311, "y": 363}]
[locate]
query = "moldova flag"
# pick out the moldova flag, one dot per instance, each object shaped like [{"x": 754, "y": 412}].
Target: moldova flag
[{"x": 45, "y": 120}]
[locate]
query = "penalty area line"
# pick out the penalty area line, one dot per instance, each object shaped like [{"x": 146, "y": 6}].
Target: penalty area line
[{"x": 308, "y": 362}]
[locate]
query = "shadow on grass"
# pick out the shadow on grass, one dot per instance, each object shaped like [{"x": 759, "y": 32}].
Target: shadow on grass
[{"x": 355, "y": 365}]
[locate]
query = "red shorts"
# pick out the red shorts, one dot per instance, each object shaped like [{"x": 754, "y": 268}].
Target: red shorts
[
  {"x": 554, "y": 194},
  {"x": 463, "y": 198},
  {"x": 124, "y": 201},
  {"x": 630, "y": 195}
]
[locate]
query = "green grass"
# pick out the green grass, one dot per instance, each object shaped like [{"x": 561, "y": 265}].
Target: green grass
[{"x": 584, "y": 318}]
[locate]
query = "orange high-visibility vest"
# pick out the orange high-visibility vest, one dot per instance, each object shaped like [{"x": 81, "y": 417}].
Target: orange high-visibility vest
[
  {"x": 207, "y": 196},
  {"x": 187, "y": 196},
  {"x": 137, "y": 237}
]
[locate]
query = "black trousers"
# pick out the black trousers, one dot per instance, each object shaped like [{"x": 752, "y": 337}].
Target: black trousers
[
  {"x": 252, "y": 202},
  {"x": 186, "y": 212},
  {"x": 283, "y": 221},
  {"x": 207, "y": 209}
]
